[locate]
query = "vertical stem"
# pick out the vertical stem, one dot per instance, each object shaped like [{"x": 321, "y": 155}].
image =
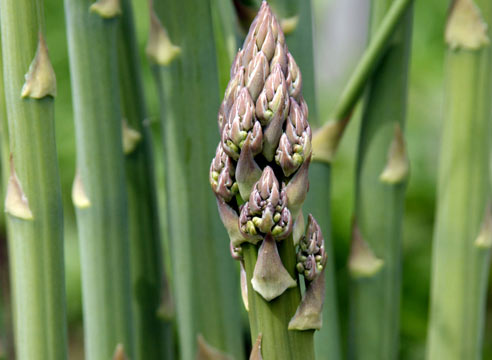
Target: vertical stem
[
  {"x": 99, "y": 191},
  {"x": 149, "y": 283},
  {"x": 206, "y": 296},
  {"x": 462, "y": 236},
  {"x": 375, "y": 261},
  {"x": 271, "y": 318},
  {"x": 33, "y": 202}
]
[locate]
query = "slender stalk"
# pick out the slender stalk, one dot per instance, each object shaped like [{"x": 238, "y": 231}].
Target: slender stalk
[
  {"x": 327, "y": 138},
  {"x": 382, "y": 170},
  {"x": 153, "y": 334},
  {"x": 462, "y": 237},
  {"x": 206, "y": 296},
  {"x": 33, "y": 200},
  {"x": 99, "y": 191}
]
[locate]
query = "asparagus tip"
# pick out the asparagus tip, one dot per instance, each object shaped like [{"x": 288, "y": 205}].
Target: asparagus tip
[
  {"x": 40, "y": 79},
  {"x": 79, "y": 197},
  {"x": 130, "y": 138},
  {"x": 160, "y": 49},
  {"x": 16, "y": 203},
  {"x": 466, "y": 27},
  {"x": 106, "y": 8},
  {"x": 398, "y": 167}
]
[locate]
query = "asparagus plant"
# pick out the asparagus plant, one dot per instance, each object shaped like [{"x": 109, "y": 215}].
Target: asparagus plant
[
  {"x": 462, "y": 236},
  {"x": 99, "y": 189},
  {"x": 149, "y": 283},
  {"x": 33, "y": 199},
  {"x": 260, "y": 178},
  {"x": 204, "y": 286},
  {"x": 382, "y": 171}
]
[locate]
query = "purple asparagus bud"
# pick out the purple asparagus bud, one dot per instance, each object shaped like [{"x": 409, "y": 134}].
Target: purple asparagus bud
[
  {"x": 295, "y": 143},
  {"x": 240, "y": 122},
  {"x": 266, "y": 211},
  {"x": 221, "y": 175}
]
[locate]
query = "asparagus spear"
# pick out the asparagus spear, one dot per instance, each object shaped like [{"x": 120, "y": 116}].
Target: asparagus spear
[{"x": 33, "y": 200}]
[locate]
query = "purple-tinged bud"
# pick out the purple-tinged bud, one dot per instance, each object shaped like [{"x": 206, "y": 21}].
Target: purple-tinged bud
[
  {"x": 221, "y": 118},
  {"x": 270, "y": 278},
  {"x": 247, "y": 170},
  {"x": 236, "y": 63},
  {"x": 295, "y": 144},
  {"x": 294, "y": 78},
  {"x": 256, "y": 74},
  {"x": 232, "y": 91},
  {"x": 221, "y": 175},
  {"x": 280, "y": 57},
  {"x": 241, "y": 122},
  {"x": 311, "y": 256},
  {"x": 273, "y": 101},
  {"x": 266, "y": 211}
]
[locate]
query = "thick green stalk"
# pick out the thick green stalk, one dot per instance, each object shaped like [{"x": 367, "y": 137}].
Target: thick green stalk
[
  {"x": 206, "y": 296},
  {"x": 99, "y": 191},
  {"x": 153, "y": 334},
  {"x": 462, "y": 237},
  {"x": 327, "y": 138},
  {"x": 271, "y": 318},
  {"x": 33, "y": 200},
  {"x": 382, "y": 169}
]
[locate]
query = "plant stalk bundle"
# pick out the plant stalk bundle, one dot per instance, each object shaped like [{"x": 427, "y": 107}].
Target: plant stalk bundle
[
  {"x": 33, "y": 199},
  {"x": 463, "y": 230},
  {"x": 203, "y": 282},
  {"x": 382, "y": 171},
  {"x": 99, "y": 190}
]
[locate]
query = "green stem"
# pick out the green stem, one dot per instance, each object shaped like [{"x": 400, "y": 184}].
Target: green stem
[
  {"x": 153, "y": 334},
  {"x": 99, "y": 191},
  {"x": 271, "y": 319},
  {"x": 462, "y": 237},
  {"x": 375, "y": 261},
  {"x": 204, "y": 279},
  {"x": 33, "y": 204}
]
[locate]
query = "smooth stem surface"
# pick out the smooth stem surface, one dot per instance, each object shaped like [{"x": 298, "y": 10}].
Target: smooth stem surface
[
  {"x": 460, "y": 262},
  {"x": 205, "y": 283},
  {"x": 370, "y": 59},
  {"x": 149, "y": 286},
  {"x": 326, "y": 340},
  {"x": 375, "y": 295},
  {"x": 271, "y": 319},
  {"x": 36, "y": 244},
  {"x": 101, "y": 198}
]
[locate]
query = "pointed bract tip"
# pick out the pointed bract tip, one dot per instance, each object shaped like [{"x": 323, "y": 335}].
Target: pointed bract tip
[
  {"x": 79, "y": 196},
  {"x": 119, "y": 353},
  {"x": 130, "y": 138},
  {"x": 270, "y": 278},
  {"x": 326, "y": 139},
  {"x": 362, "y": 261},
  {"x": 309, "y": 313},
  {"x": 484, "y": 238},
  {"x": 398, "y": 166},
  {"x": 247, "y": 171},
  {"x": 40, "y": 79},
  {"x": 160, "y": 49},
  {"x": 256, "y": 350},
  {"x": 206, "y": 351},
  {"x": 16, "y": 203},
  {"x": 466, "y": 27},
  {"x": 106, "y": 8}
]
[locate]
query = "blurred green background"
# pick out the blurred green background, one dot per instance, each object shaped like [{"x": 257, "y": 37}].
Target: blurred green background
[{"x": 340, "y": 37}]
